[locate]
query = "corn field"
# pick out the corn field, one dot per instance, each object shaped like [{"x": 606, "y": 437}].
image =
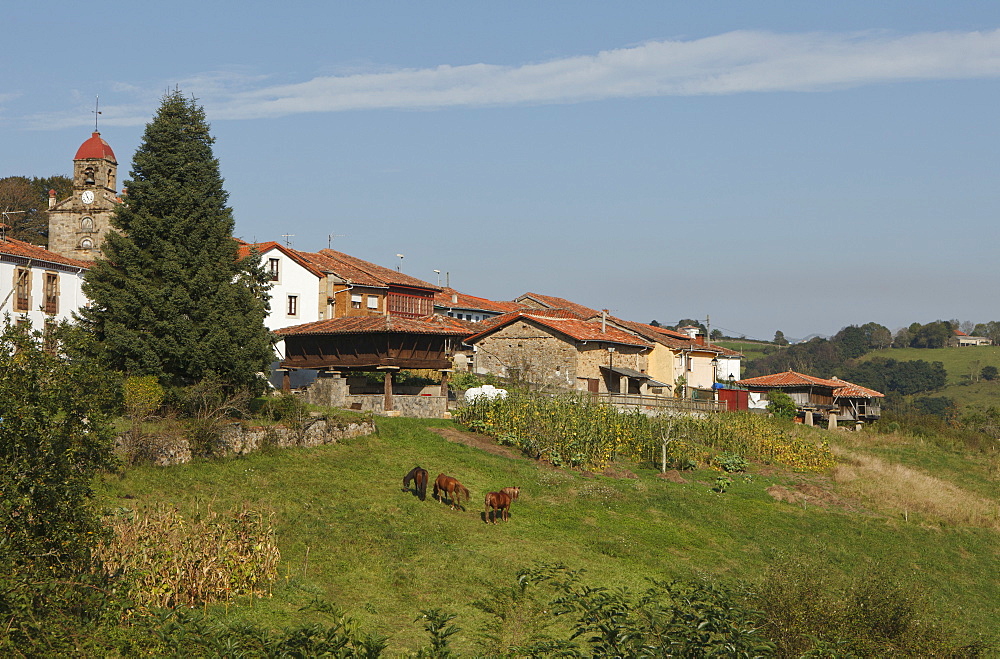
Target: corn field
[
  {"x": 574, "y": 431},
  {"x": 173, "y": 561}
]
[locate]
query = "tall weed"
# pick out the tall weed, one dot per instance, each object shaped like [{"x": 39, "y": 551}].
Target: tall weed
[{"x": 172, "y": 561}]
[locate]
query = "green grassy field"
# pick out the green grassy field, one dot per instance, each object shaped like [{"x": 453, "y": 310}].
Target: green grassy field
[
  {"x": 750, "y": 349},
  {"x": 349, "y": 533},
  {"x": 963, "y": 366}
]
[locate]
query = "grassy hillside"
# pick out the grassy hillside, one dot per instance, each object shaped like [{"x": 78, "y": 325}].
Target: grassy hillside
[
  {"x": 349, "y": 534},
  {"x": 750, "y": 349},
  {"x": 963, "y": 366}
]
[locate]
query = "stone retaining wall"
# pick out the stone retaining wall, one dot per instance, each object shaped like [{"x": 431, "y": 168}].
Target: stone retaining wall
[{"x": 236, "y": 439}]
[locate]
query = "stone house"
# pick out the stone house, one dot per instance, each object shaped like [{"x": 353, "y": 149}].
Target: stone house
[{"x": 561, "y": 351}]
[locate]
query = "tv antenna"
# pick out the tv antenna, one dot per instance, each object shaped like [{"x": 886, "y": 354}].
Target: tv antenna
[
  {"x": 288, "y": 238},
  {"x": 331, "y": 236}
]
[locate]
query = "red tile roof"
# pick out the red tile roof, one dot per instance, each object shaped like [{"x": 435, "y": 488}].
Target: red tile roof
[
  {"x": 670, "y": 338},
  {"x": 841, "y": 388},
  {"x": 450, "y": 298},
  {"x": 376, "y": 325},
  {"x": 551, "y": 302},
  {"x": 20, "y": 248},
  {"x": 574, "y": 328},
  {"x": 95, "y": 147},
  {"x": 364, "y": 273}
]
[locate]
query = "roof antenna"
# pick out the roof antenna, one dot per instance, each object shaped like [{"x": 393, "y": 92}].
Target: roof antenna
[
  {"x": 96, "y": 110},
  {"x": 288, "y": 238},
  {"x": 330, "y": 237}
]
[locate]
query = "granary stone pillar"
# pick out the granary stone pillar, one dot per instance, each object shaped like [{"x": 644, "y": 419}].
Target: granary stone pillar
[
  {"x": 387, "y": 398},
  {"x": 445, "y": 373},
  {"x": 832, "y": 423},
  {"x": 809, "y": 418}
]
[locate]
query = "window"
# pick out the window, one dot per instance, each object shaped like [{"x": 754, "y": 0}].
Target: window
[
  {"x": 272, "y": 268},
  {"x": 355, "y": 300},
  {"x": 293, "y": 305},
  {"x": 373, "y": 302},
  {"x": 86, "y": 243},
  {"x": 51, "y": 293},
  {"x": 22, "y": 288}
]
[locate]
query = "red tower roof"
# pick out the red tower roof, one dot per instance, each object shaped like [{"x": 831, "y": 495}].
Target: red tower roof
[{"x": 95, "y": 147}]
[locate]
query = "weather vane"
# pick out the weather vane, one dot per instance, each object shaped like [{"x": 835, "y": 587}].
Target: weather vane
[{"x": 96, "y": 110}]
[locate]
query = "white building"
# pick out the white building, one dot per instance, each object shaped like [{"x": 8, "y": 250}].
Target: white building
[
  {"x": 36, "y": 285},
  {"x": 296, "y": 287}
]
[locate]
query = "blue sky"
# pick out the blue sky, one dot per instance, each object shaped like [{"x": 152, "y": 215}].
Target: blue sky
[{"x": 777, "y": 165}]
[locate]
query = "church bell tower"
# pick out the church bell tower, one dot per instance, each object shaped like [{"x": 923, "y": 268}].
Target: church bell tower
[{"x": 77, "y": 224}]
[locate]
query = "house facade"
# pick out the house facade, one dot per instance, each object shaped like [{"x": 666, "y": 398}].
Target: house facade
[
  {"x": 960, "y": 339},
  {"x": 38, "y": 285},
  {"x": 563, "y": 353}
]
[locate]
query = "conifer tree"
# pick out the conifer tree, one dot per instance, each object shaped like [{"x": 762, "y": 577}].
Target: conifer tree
[{"x": 169, "y": 295}]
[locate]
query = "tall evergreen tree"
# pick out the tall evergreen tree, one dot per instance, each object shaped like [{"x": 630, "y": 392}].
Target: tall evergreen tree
[{"x": 170, "y": 296}]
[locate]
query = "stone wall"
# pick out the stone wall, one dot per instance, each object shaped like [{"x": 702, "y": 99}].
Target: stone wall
[
  {"x": 334, "y": 390},
  {"x": 523, "y": 351},
  {"x": 236, "y": 439}
]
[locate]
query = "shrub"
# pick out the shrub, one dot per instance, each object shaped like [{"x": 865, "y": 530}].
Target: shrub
[
  {"x": 781, "y": 404},
  {"x": 807, "y": 608},
  {"x": 730, "y": 462},
  {"x": 679, "y": 618}
]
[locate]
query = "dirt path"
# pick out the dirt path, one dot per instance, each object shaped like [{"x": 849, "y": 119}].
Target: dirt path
[{"x": 481, "y": 442}]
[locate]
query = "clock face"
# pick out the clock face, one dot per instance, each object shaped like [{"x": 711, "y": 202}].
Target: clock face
[{"x": 87, "y": 197}]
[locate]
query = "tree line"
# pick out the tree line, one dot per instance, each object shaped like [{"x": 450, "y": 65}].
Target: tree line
[{"x": 839, "y": 356}]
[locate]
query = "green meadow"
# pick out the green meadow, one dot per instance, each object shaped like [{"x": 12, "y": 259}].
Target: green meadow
[
  {"x": 963, "y": 366},
  {"x": 350, "y": 535}
]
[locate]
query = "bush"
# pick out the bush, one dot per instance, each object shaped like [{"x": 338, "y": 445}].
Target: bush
[
  {"x": 730, "y": 462},
  {"x": 806, "y": 608},
  {"x": 55, "y": 436},
  {"x": 781, "y": 404}
]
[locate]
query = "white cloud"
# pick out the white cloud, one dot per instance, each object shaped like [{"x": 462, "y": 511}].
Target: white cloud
[{"x": 730, "y": 63}]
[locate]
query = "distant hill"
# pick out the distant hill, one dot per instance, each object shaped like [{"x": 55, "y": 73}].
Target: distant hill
[{"x": 963, "y": 365}]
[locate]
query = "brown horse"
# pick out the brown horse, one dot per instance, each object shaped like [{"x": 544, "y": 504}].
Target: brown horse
[
  {"x": 450, "y": 487},
  {"x": 419, "y": 477},
  {"x": 500, "y": 502}
]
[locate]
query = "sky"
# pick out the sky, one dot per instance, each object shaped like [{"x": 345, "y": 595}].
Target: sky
[{"x": 794, "y": 166}]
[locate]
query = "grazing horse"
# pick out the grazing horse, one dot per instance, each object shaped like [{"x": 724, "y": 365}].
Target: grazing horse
[
  {"x": 500, "y": 502},
  {"x": 419, "y": 477},
  {"x": 450, "y": 487}
]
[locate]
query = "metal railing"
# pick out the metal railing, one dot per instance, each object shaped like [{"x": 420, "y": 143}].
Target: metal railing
[{"x": 660, "y": 403}]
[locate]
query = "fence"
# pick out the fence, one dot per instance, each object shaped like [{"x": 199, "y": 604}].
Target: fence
[{"x": 660, "y": 403}]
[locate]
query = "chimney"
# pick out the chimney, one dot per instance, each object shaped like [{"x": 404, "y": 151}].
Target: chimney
[
  {"x": 52, "y": 198},
  {"x": 604, "y": 321},
  {"x": 454, "y": 298}
]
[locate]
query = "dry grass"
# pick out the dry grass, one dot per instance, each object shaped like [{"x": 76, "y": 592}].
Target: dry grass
[
  {"x": 906, "y": 491},
  {"x": 175, "y": 561}
]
